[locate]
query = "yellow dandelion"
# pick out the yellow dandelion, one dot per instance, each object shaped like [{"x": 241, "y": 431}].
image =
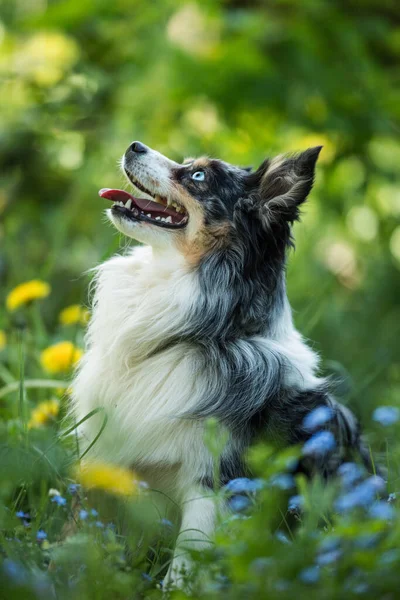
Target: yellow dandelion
[
  {"x": 3, "y": 340},
  {"x": 60, "y": 357},
  {"x": 108, "y": 477},
  {"x": 27, "y": 292},
  {"x": 44, "y": 413},
  {"x": 73, "y": 315}
]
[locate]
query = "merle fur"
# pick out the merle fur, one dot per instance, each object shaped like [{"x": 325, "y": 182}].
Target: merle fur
[{"x": 243, "y": 292}]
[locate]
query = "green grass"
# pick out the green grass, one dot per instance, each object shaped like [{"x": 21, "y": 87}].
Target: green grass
[
  {"x": 238, "y": 80},
  {"x": 263, "y": 547}
]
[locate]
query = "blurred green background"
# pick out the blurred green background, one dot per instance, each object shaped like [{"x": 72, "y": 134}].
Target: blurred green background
[{"x": 240, "y": 80}]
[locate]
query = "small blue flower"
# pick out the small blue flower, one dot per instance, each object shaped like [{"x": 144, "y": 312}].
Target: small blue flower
[
  {"x": 327, "y": 558},
  {"x": 41, "y": 535},
  {"x": 21, "y": 515},
  {"x": 386, "y": 415},
  {"x": 147, "y": 577},
  {"x": 317, "y": 418},
  {"x": 282, "y": 537},
  {"x": 295, "y": 503},
  {"x": 94, "y": 512},
  {"x": 99, "y": 524},
  {"x": 319, "y": 444},
  {"x": 350, "y": 473},
  {"x": 281, "y": 585},
  {"x": 392, "y": 497},
  {"x": 73, "y": 488},
  {"x": 166, "y": 523},
  {"x": 389, "y": 557},
  {"x": 360, "y": 588},
  {"x": 59, "y": 500},
  {"x": 83, "y": 514},
  {"x": 381, "y": 510},
  {"x": 283, "y": 481},
  {"x": 329, "y": 544},
  {"x": 362, "y": 495},
  {"x": 367, "y": 540},
  {"x": 243, "y": 485},
  {"x": 309, "y": 575},
  {"x": 15, "y": 571},
  {"x": 260, "y": 564},
  {"x": 238, "y": 503}
]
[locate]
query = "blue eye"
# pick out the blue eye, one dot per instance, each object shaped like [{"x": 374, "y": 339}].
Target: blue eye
[{"x": 199, "y": 176}]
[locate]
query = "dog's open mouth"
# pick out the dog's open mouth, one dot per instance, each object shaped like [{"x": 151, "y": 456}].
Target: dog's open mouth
[{"x": 160, "y": 211}]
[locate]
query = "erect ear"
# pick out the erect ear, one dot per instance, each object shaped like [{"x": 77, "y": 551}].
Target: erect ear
[{"x": 283, "y": 183}]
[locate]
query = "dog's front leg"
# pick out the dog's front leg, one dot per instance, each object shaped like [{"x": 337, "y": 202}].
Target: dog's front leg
[{"x": 199, "y": 512}]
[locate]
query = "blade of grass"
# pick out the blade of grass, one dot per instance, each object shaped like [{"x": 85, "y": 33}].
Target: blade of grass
[
  {"x": 31, "y": 384},
  {"x": 21, "y": 387}
]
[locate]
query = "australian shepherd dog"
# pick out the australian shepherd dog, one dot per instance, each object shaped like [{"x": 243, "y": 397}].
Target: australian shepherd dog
[{"x": 195, "y": 323}]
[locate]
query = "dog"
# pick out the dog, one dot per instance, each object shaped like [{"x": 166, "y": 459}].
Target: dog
[{"x": 196, "y": 323}]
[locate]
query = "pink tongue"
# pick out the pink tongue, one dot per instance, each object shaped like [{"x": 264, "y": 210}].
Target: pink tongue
[{"x": 115, "y": 195}]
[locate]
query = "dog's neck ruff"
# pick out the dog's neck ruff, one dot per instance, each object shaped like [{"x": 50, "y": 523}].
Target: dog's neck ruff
[{"x": 155, "y": 398}]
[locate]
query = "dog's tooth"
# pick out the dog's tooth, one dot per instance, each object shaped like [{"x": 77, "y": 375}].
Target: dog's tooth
[
  {"x": 148, "y": 215},
  {"x": 158, "y": 218},
  {"x": 168, "y": 220},
  {"x": 129, "y": 203}
]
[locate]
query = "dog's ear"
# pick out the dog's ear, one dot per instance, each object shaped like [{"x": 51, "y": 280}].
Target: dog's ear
[{"x": 283, "y": 183}]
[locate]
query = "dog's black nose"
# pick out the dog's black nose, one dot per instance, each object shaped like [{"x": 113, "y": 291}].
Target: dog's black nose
[{"x": 138, "y": 147}]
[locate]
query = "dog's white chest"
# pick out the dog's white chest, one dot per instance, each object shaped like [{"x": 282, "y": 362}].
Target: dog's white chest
[{"x": 139, "y": 302}]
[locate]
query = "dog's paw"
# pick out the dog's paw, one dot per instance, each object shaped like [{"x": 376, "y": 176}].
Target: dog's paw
[{"x": 179, "y": 576}]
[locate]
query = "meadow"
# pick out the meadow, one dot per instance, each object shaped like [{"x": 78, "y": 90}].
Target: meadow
[{"x": 239, "y": 80}]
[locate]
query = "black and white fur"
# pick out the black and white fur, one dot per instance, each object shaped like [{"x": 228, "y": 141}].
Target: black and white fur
[{"x": 195, "y": 324}]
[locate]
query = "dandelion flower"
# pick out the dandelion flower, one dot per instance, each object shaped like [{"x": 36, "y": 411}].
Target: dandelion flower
[
  {"x": 3, "y": 340},
  {"x": 60, "y": 357},
  {"x": 44, "y": 413},
  {"x": 108, "y": 477},
  {"x": 74, "y": 315},
  {"x": 27, "y": 292}
]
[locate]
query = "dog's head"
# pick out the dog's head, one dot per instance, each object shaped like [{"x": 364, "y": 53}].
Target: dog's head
[{"x": 206, "y": 204}]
